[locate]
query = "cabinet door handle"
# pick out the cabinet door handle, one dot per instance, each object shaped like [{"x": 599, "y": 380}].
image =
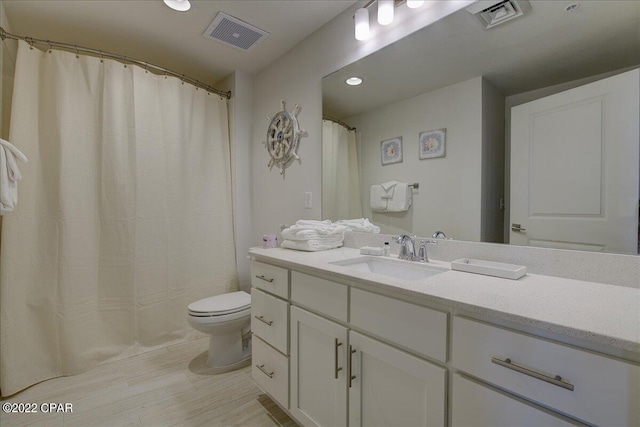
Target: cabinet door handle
[
  {"x": 337, "y": 369},
  {"x": 265, "y": 279},
  {"x": 261, "y": 367},
  {"x": 350, "y": 366},
  {"x": 555, "y": 380},
  {"x": 266, "y": 322}
]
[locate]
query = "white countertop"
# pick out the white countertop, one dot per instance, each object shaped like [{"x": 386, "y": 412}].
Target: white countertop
[{"x": 604, "y": 314}]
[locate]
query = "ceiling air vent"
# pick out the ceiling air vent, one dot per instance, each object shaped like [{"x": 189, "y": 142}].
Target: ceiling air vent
[
  {"x": 492, "y": 13},
  {"x": 234, "y": 32}
]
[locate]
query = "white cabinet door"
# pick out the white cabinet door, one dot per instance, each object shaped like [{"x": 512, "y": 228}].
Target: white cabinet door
[
  {"x": 318, "y": 370},
  {"x": 392, "y": 388},
  {"x": 574, "y": 167},
  {"x": 479, "y": 406}
]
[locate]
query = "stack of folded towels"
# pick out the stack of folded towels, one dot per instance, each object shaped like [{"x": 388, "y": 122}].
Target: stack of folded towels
[
  {"x": 361, "y": 224},
  {"x": 309, "y": 235}
]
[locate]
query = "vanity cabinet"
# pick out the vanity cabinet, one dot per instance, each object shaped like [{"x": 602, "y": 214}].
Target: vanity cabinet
[
  {"x": 335, "y": 354},
  {"x": 270, "y": 328},
  {"x": 318, "y": 370},
  {"x": 476, "y": 405},
  {"x": 389, "y": 387},
  {"x": 594, "y": 388}
]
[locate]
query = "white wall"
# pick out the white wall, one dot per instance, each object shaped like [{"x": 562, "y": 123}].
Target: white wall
[
  {"x": 296, "y": 78},
  {"x": 449, "y": 197}
]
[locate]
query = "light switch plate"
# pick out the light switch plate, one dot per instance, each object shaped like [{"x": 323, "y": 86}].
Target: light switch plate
[{"x": 308, "y": 200}]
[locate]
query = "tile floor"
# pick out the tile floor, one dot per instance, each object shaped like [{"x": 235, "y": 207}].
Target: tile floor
[{"x": 172, "y": 386}]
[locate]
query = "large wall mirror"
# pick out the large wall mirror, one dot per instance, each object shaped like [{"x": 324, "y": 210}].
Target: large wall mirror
[{"x": 524, "y": 133}]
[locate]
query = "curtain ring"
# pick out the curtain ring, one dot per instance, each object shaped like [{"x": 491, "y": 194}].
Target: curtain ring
[
  {"x": 182, "y": 78},
  {"x": 101, "y": 60},
  {"x": 77, "y": 56},
  {"x": 165, "y": 73},
  {"x": 125, "y": 64},
  {"x": 50, "y": 47},
  {"x": 145, "y": 67},
  {"x": 29, "y": 40}
]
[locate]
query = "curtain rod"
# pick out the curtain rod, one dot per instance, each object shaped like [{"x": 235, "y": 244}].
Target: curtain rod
[
  {"x": 124, "y": 59},
  {"x": 340, "y": 122}
]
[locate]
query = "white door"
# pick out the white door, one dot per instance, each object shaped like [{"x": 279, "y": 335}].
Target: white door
[
  {"x": 318, "y": 372},
  {"x": 574, "y": 168},
  {"x": 392, "y": 388}
]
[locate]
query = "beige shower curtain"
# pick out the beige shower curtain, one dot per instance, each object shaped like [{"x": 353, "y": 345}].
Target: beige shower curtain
[
  {"x": 340, "y": 173},
  {"x": 124, "y": 214}
]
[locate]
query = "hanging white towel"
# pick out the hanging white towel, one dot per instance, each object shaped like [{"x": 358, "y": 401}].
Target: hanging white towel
[
  {"x": 9, "y": 176},
  {"x": 380, "y": 194},
  {"x": 401, "y": 199}
]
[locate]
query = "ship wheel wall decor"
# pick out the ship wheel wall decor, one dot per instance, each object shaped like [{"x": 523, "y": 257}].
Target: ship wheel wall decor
[{"x": 283, "y": 136}]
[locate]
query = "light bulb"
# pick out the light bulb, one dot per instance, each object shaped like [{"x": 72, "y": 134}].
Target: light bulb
[
  {"x": 362, "y": 24},
  {"x": 179, "y": 5},
  {"x": 414, "y": 4},
  {"x": 353, "y": 81},
  {"x": 385, "y": 12}
]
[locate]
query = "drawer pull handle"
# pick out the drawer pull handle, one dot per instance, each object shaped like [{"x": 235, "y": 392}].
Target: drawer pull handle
[
  {"x": 266, "y": 322},
  {"x": 261, "y": 367},
  {"x": 555, "y": 380},
  {"x": 265, "y": 279},
  {"x": 350, "y": 366},
  {"x": 337, "y": 369}
]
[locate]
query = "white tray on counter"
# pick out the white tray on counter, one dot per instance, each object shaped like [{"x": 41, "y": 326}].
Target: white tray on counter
[{"x": 489, "y": 268}]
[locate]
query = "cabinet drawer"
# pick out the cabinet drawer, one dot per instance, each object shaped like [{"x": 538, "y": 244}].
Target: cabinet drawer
[
  {"x": 270, "y": 278},
  {"x": 605, "y": 390},
  {"x": 417, "y": 328},
  {"x": 325, "y": 296},
  {"x": 480, "y": 406},
  {"x": 271, "y": 371},
  {"x": 269, "y": 319}
]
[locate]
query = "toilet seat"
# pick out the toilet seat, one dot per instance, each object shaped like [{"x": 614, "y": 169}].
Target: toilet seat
[{"x": 222, "y": 305}]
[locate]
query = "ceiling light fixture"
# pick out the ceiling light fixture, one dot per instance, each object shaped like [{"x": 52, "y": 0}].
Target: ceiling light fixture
[
  {"x": 385, "y": 11},
  {"x": 414, "y": 4},
  {"x": 353, "y": 81},
  {"x": 179, "y": 5},
  {"x": 362, "y": 24}
]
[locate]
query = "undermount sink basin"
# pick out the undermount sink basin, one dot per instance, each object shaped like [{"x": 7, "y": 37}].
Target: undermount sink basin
[{"x": 405, "y": 270}]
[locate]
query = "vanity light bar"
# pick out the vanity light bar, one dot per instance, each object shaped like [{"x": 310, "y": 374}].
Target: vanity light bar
[{"x": 385, "y": 15}]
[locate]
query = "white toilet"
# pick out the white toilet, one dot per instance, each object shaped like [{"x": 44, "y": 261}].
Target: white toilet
[{"x": 227, "y": 320}]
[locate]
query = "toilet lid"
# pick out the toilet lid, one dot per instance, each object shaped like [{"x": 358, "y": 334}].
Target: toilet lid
[{"x": 222, "y": 304}]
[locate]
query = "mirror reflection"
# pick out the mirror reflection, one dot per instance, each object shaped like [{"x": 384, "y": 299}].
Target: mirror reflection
[{"x": 524, "y": 133}]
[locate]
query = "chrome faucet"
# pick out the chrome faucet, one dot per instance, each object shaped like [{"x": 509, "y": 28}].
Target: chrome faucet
[{"x": 407, "y": 249}]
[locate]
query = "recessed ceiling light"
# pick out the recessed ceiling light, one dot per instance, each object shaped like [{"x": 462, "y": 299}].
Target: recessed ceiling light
[
  {"x": 353, "y": 81},
  {"x": 179, "y": 5}
]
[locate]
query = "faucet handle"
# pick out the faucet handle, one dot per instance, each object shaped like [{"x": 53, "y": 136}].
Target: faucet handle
[{"x": 422, "y": 253}]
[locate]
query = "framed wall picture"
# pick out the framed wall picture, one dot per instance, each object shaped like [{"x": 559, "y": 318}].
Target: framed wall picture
[
  {"x": 432, "y": 143},
  {"x": 391, "y": 151}
]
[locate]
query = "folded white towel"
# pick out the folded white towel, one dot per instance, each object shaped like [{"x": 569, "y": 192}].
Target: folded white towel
[
  {"x": 312, "y": 245},
  {"x": 378, "y": 198},
  {"x": 309, "y": 229},
  {"x": 401, "y": 200},
  {"x": 360, "y": 224},
  {"x": 9, "y": 176},
  {"x": 293, "y": 233}
]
